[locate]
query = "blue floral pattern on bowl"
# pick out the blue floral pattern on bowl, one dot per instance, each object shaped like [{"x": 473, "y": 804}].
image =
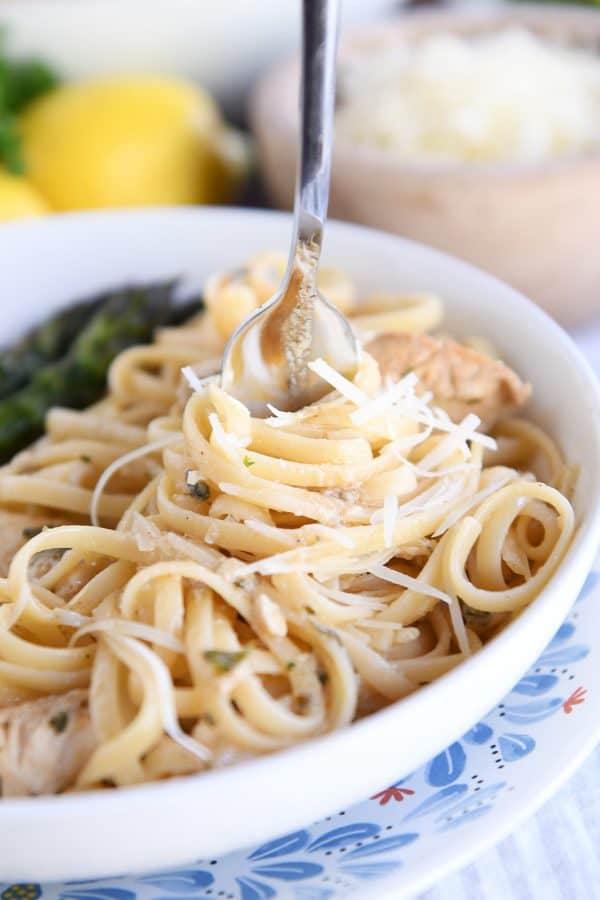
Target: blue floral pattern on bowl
[{"x": 400, "y": 824}]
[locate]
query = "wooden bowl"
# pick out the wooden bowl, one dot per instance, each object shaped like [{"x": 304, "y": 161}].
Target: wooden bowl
[{"x": 536, "y": 226}]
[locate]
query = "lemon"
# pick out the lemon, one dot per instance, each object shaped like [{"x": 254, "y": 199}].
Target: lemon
[
  {"x": 129, "y": 141},
  {"x": 18, "y": 199}
]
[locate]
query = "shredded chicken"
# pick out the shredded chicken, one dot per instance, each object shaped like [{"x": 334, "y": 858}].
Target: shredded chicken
[
  {"x": 44, "y": 744},
  {"x": 461, "y": 379}
]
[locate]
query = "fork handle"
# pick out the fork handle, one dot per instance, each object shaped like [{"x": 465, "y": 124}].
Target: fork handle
[{"x": 317, "y": 102}]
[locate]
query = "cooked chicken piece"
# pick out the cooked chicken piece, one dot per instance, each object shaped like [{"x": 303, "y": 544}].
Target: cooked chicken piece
[
  {"x": 461, "y": 380},
  {"x": 44, "y": 744}
]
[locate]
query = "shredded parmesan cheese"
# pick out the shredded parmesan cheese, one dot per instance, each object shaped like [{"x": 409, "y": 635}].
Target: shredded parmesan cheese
[
  {"x": 471, "y": 502},
  {"x": 402, "y": 389},
  {"x": 187, "y": 549},
  {"x": 504, "y": 95},
  {"x": 147, "y": 535},
  {"x": 270, "y": 531},
  {"x": 455, "y": 441},
  {"x": 337, "y": 381},
  {"x": 390, "y": 514},
  {"x": 165, "y": 695},
  {"x": 225, "y": 440},
  {"x": 70, "y": 618},
  {"x": 269, "y": 615},
  {"x": 110, "y": 470},
  {"x": 132, "y": 629},
  {"x": 410, "y": 583},
  {"x": 196, "y": 384},
  {"x": 458, "y": 625}
]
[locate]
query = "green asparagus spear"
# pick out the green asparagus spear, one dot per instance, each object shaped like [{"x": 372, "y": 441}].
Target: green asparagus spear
[
  {"x": 49, "y": 341},
  {"x": 184, "y": 311},
  {"x": 128, "y": 317},
  {"x": 77, "y": 379},
  {"x": 44, "y": 343}
]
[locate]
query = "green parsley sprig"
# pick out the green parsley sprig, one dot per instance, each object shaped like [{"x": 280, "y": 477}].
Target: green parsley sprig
[{"x": 21, "y": 82}]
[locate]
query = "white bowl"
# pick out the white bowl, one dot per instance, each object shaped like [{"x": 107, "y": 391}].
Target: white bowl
[{"x": 48, "y": 262}]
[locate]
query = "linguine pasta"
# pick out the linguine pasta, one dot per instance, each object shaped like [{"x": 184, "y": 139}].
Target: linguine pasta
[{"x": 216, "y": 585}]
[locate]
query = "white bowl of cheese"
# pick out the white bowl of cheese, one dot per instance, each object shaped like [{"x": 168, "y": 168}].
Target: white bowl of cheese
[{"x": 476, "y": 131}]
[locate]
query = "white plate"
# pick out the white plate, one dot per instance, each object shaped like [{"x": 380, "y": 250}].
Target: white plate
[
  {"x": 47, "y": 262},
  {"x": 411, "y": 834}
]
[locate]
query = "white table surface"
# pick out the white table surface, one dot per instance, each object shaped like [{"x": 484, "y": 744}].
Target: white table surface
[{"x": 556, "y": 854}]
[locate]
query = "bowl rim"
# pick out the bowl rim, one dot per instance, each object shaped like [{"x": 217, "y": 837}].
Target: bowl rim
[
  {"x": 579, "y": 555},
  {"x": 407, "y": 24}
]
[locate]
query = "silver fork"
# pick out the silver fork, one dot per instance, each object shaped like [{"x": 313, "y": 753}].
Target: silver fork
[{"x": 266, "y": 359}]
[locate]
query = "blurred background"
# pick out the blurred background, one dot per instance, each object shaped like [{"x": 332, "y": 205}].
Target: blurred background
[{"x": 473, "y": 127}]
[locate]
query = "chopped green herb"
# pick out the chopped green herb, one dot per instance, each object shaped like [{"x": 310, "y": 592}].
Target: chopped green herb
[
  {"x": 34, "y": 530},
  {"x": 59, "y": 722},
  {"x": 224, "y": 659},
  {"x": 25, "y": 81},
  {"x": 200, "y": 490},
  {"x": 323, "y": 677},
  {"x": 85, "y": 458},
  {"x": 20, "y": 83},
  {"x": 475, "y": 617},
  {"x": 290, "y": 664},
  {"x": 248, "y": 461}
]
